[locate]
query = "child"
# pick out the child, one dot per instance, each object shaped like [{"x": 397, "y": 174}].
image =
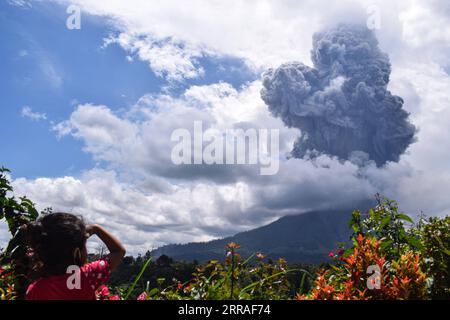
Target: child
[{"x": 58, "y": 243}]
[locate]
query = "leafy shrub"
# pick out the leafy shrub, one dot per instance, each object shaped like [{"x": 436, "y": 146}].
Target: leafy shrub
[
  {"x": 349, "y": 278},
  {"x": 435, "y": 239},
  {"x": 386, "y": 223},
  {"x": 16, "y": 212},
  {"x": 234, "y": 279},
  {"x": 7, "y": 291}
]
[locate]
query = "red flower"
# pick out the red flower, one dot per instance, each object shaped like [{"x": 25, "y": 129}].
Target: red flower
[
  {"x": 115, "y": 297},
  {"x": 405, "y": 280},
  {"x": 395, "y": 282},
  {"x": 103, "y": 292},
  {"x": 360, "y": 238},
  {"x": 331, "y": 254},
  {"x": 350, "y": 260},
  {"x": 180, "y": 285},
  {"x": 380, "y": 262},
  {"x": 348, "y": 283}
]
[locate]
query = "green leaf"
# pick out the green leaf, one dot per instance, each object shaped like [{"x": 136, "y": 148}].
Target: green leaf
[
  {"x": 386, "y": 244},
  {"x": 385, "y": 221},
  {"x": 137, "y": 278},
  {"x": 413, "y": 241},
  {"x": 153, "y": 292},
  {"x": 302, "y": 283},
  {"x": 442, "y": 246},
  {"x": 404, "y": 217}
]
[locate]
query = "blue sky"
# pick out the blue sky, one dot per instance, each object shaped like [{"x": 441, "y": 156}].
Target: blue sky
[
  {"x": 51, "y": 69},
  {"x": 87, "y": 114}
]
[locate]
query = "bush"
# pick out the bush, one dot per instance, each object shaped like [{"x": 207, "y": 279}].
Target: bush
[
  {"x": 366, "y": 274},
  {"x": 16, "y": 212},
  {"x": 386, "y": 223},
  {"x": 435, "y": 239},
  {"x": 234, "y": 279},
  {"x": 7, "y": 290}
]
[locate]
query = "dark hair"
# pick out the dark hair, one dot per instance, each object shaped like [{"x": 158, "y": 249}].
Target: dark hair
[{"x": 53, "y": 238}]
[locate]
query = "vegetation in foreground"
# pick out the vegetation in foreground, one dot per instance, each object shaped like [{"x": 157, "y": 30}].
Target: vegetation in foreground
[{"x": 389, "y": 257}]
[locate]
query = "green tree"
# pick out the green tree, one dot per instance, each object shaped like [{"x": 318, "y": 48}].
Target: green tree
[
  {"x": 16, "y": 213},
  {"x": 435, "y": 239}
]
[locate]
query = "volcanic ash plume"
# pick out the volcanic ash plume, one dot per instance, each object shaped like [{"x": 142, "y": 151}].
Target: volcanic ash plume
[{"x": 342, "y": 105}]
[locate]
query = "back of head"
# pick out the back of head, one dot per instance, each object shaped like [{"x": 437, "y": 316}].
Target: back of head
[{"x": 54, "y": 238}]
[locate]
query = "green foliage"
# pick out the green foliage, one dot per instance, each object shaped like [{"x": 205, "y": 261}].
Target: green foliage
[
  {"x": 435, "y": 239},
  {"x": 130, "y": 291},
  {"x": 16, "y": 213},
  {"x": 164, "y": 278},
  {"x": 414, "y": 260},
  {"x": 161, "y": 268},
  {"x": 7, "y": 290},
  {"x": 386, "y": 223},
  {"x": 252, "y": 278},
  {"x": 350, "y": 279}
]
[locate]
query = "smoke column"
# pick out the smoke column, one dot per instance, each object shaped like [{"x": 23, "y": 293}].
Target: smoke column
[{"x": 342, "y": 105}]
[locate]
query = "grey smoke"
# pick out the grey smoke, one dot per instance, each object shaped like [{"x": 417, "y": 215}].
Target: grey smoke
[{"x": 342, "y": 105}]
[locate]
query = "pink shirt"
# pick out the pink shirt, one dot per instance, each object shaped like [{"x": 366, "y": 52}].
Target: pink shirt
[{"x": 93, "y": 275}]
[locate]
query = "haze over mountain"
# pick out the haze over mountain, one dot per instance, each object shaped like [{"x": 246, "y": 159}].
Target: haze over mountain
[{"x": 306, "y": 238}]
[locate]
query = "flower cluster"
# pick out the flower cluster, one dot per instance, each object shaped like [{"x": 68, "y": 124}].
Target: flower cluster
[
  {"x": 7, "y": 291},
  {"x": 103, "y": 293},
  {"x": 397, "y": 279}
]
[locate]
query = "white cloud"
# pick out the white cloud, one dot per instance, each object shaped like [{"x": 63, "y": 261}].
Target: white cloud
[
  {"x": 142, "y": 220},
  {"x": 263, "y": 33},
  {"x": 29, "y": 113},
  {"x": 174, "y": 61},
  {"x": 171, "y": 35},
  {"x": 20, "y": 3},
  {"x": 50, "y": 71},
  {"x": 426, "y": 28},
  {"x": 140, "y": 139},
  {"x": 425, "y": 184}
]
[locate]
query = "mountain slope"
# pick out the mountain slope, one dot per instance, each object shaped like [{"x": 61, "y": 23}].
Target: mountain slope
[{"x": 307, "y": 238}]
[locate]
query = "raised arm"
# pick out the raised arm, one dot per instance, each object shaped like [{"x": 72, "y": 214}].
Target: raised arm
[{"x": 116, "y": 249}]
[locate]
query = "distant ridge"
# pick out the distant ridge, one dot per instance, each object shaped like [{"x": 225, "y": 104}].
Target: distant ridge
[{"x": 306, "y": 238}]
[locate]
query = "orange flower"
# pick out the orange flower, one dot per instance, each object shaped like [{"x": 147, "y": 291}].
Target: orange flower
[
  {"x": 233, "y": 245},
  {"x": 360, "y": 238},
  {"x": 381, "y": 261},
  {"x": 405, "y": 280},
  {"x": 350, "y": 260}
]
